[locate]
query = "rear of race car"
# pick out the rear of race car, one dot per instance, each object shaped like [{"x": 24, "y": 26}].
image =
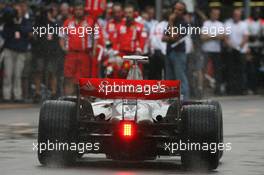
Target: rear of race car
[
  {"x": 137, "y": 120},
  {"x": 133, "y": 131}
]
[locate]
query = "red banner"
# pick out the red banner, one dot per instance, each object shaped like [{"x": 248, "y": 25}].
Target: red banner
[{"x": 129, "y": 89}]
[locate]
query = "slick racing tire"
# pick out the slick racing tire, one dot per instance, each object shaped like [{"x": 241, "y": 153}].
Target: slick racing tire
[
  {"x": 173, "y": 112},
  {"x": 86, "y": 109},
  {"x": 219, "y": 112},
  {"x": 201, "y": 128},
  {"x": 57, "y": 125}
]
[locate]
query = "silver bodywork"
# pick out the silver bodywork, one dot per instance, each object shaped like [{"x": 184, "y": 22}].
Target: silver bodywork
[
  {"x": 142, "y": 110},
  {"x": 145, "y": 110}
]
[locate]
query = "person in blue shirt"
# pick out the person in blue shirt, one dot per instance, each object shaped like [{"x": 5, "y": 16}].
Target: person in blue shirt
[{"x": 16, "y": 33}]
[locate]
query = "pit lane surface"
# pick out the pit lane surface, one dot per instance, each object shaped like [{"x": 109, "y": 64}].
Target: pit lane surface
[{"x": 243, "y": 127}]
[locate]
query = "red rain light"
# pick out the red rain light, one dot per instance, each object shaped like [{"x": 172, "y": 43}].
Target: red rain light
[{"x": 127, "y": 129}]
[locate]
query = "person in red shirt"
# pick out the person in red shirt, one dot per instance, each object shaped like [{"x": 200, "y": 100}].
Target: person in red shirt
[
  {"x": 111, "y": 28},
  {"x": 78, "y": 38},
  {"x": 131, "y": 36},
  {"x": 98, "y": 48},
  {"x": 113, "y": 24}
]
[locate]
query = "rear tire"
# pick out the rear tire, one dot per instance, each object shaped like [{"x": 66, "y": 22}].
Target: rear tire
[
  {"x": 57, "y": 124},
  {"x": 201, "y": 124},
  {"x": 86, "y": 109},
  {"x": 220, "y": 117},
  {"x": 173, "y": 112}
]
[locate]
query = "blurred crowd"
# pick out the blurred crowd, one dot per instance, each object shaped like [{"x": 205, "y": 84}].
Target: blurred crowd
[{"x": 35, "y": 68}]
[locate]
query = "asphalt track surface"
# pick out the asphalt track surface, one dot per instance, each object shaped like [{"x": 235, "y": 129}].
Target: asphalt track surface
[{"x": 243, "y": 128}]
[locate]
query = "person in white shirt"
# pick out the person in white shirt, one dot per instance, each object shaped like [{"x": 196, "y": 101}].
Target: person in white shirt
[
  {"x": 195, "y": 57},
  {"x": 255, "y": 25},
  {"x": 152, "y": 22},
  {"x": 237, "y": 43},
  {"x": 157, "y": 48},
  {"x": 212, "y": 35}
]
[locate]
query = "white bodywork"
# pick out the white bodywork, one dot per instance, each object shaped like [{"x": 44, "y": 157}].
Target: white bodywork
[
  {"x": 145, "y": 110},
  {"x": 142, "y": 110}
]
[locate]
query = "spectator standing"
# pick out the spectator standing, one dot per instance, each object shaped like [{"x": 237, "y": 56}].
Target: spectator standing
[
  {"x": 212, "y": 46},
  {"x": 144, "y": 19},
  {"x": 176, "y": 61},
  {"x": 151, "y": 22},
  {"x": 2, "y": 21},
  {"x": 64, "y": 12},
  {"x": 131, "y": 37},
  {"x": 113, "y": 24},
  {"x": 237, "y": 43},
  {"x": 16, "y": 34},
  {"x": 76, "y": 63},
  {"x": 255, "y": 25},
  {"x": 157, "y": 49},
  {"x": 194, "y": 57},
  {"x": 111, "y": 69},
  {"x": 108, "y": 14},
  {"x": 78, "y": 49},
  {"x": 26, "y": 75},
  {"x": 46, "y": 59}
]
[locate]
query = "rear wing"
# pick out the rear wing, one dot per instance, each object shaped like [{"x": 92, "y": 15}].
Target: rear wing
[
  {"x": 136, "y": 58},
  {"x": 129, "y": 89}
]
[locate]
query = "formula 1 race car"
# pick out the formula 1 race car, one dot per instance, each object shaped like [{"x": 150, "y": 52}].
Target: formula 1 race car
[{"x": 130, "y": 119}]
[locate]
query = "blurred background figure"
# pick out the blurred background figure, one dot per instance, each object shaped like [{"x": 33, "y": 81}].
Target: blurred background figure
[
  {"x": 26, "y": 75},
  {"x": 212, "y": 47},
  {"x": 64, "y": 12},
  {"x": 253, "y": 61},
  {"x": 46, "y": 54},
  {"x": 151, "y": 22},
  {"x": 111, "y": 65},
  {"x": 237, "y": 44},
  {"x": 131, "y": 37},
  {"x": 113, "y": 23},
  {"x": 176, "y": 61},
  {"x": 16, "y": 33},
  {"x": 158, "y": 48},
  {"x": 77, "y": 61},
  {"x": 80, "y": 47},
  {"x": 195, "y": 56}
]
